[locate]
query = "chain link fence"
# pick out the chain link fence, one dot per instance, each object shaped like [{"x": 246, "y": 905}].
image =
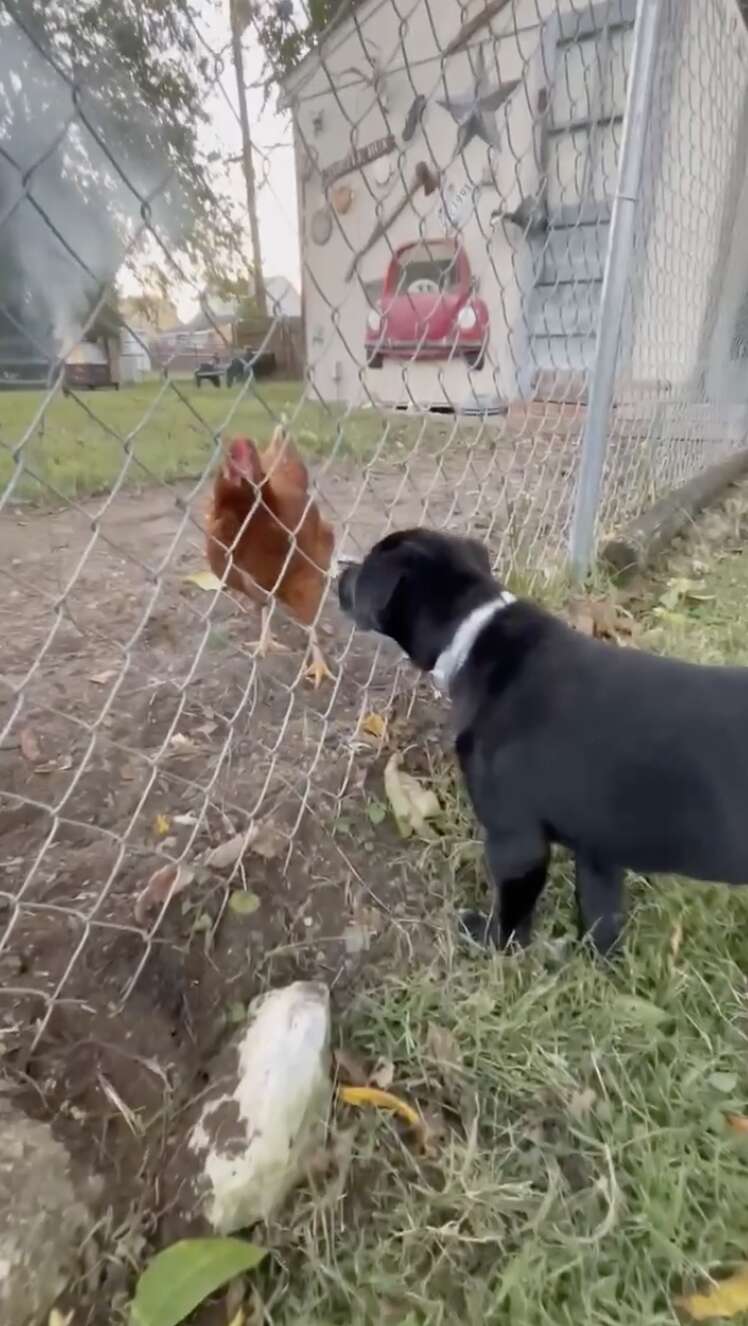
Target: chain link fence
[{"x": 486, "y": 316}]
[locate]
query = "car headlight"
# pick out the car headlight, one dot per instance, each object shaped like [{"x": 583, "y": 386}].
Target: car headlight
[
  {"x": 467, "y": 319},
  {"x": 374, "y": 321}
]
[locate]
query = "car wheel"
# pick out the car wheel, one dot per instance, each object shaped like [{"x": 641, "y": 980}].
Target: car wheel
[{"x": 475, "y": 359}]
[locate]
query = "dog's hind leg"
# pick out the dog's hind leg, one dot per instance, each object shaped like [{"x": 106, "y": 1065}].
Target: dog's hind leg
[
  {"x": 599, "y": 892},
  {"x": 518, "y": 870}
]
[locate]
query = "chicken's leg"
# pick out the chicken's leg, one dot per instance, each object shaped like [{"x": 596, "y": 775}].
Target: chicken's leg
[
  {"x": 267, "y": 642},
  {"x": 318, "y": 669}
]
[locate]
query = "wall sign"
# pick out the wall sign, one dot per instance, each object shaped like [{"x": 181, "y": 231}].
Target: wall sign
[{"x": 359, "y": 156}]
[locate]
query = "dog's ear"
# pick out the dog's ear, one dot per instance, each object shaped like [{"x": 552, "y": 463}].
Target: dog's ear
[
  {"x": 475, "y": 555},
  {"x": 376, "y": 591}
]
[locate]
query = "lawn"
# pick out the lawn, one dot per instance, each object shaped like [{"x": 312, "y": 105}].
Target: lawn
[
  {"x": 588, "y": 1167},
  {"x": 155, "y": 431}
]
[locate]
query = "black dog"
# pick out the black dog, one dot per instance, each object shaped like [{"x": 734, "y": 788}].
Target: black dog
[{"x": 627, "y": 759}]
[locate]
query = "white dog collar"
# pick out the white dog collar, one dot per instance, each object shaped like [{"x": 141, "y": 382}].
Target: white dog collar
[{"x": 452, "y": 658}]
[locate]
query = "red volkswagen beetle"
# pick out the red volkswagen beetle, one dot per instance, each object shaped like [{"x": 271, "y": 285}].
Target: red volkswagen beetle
[{"x": 428, "y": 308}]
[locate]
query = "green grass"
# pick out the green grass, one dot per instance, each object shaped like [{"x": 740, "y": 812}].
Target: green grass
[
  {"x": 81, "y": 446},
  {"x": 586, "y": 1174}
]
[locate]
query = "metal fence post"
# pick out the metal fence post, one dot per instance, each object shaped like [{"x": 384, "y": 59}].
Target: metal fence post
[{"x": 620, "y": 245}]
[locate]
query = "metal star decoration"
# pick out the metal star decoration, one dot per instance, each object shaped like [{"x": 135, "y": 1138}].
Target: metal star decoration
[{"x": 474, "y": 112}]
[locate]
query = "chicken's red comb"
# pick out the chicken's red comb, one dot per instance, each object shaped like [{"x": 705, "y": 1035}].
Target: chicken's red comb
[{"x": 242, "y": 461}]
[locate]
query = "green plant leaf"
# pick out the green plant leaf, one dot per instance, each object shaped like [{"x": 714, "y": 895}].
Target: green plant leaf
[
  {"x": 725, "y": 1082},
  {"x": 184, "y": 1275},
  {"x": 244, "y": 903},
  {"x": 634, "y": 1009},
  {"x": 376, "y": 812}
]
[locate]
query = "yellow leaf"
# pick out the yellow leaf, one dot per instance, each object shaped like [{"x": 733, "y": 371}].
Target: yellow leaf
[
  {"x": 382, "y": 1100},
  {"x": 56, "y": 1318},
  {"x": 412, "y": 803},
  {"x": 374, "y": 725},
  {"x": 239, "y": 1318},
  {"x": 161, "y": 826},
  {"x": 738, "y": 1122},
  {"x": 725, "y": 1299},
  {"x": 204, "y": 580}
]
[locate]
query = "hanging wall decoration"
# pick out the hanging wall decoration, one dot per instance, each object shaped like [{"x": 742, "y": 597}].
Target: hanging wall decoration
[
  {"x": 414, "y": 117},
  {"x": 358, "y": 157},
  {"x": 423, "y": 178},
  {"x": 474, "y": 112},
  {"x": 342, "y": 199},
  {"x": 321, "y": 225}
]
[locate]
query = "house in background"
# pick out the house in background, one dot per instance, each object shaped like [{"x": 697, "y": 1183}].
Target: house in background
[{"x": 456, "y": 167}]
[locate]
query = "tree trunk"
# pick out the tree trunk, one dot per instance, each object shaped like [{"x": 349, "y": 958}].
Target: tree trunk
[{"x": 250, "y": 181}]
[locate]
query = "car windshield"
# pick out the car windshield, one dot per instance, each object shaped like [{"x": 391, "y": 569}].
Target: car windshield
[{"x": 427, "y": 269}]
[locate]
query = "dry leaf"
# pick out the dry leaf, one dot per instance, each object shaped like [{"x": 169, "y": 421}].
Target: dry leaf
[
  {"x": 180, "y": 741},
  {"x": 29, "y": 745},
  {"x": 161, "y": 826},
  {"x": 443, "y": 1047},
  {"x": 581, "y": 1103},
  {"x": 164, "y": 883},
  {"x": 383, "y": 1075},
  {"x": 676, "y": 939},
  {"x": 264, "y": 839},
  {"x": 737, "y": 1122},
  {"x": 204, "y": 580},
  {"x": 725, "y": 1299},
  {"x": 350, "y": 1068},
  {"x": 374, "y": 725},
  {"x": 412, "y": 803},
  {"x": 101, "y": 678},
  {"x": 226, "y": 854},
  {"x": 57, "y": 1318}
]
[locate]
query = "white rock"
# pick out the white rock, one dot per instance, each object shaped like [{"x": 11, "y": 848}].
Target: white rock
[
  {"x": 42, "y": 1219},
  {"x": 253, "y": 1141}
]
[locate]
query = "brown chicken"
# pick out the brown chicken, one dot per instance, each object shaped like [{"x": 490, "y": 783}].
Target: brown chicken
[{"x": 265, "y": 526}]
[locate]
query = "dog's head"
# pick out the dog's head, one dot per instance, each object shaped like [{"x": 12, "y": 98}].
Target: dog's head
[{"x": 415, "y": 586}]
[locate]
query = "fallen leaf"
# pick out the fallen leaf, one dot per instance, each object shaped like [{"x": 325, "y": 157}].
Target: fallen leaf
[
  {"x": 581, "y": 1103},
  {"x": 161, "y": 825},
  {"x": 356, "y": 939},
  {"x": 737, "y": 1122},
  {"x": 382, "y": 1100},
  {"x": 181, "y": 1277},
  {"x": 376, "y": 811},
  {"x": 350, "y": 1068},
  {"x": 724, "y": 1082},
  {"x": 101, "y": 678},
  {"x": 726, "y": 1298},
  {"x": 383, "y": 1075},
  {"x": 236, "y": 1011},
  {"x": 56, "y": 1318},
  {"x": 263, "y": 839},
  {"x": 412, "y": 803},
  {"x": 204, "y": 580},
  {"x": 676, "y": 939},
  {"x": 604, "y": 619},
  {"x": 164, "y": 883},
  {"x": 239, "y": 1318},
  {"x": 374, "y": 725},
  {"x": 244, "y": 903},
  {"x": 442, "y": 1046},
  {"x": 266, "y": 841},
  {"x": 30, "y": 748},
  {"x": 226, "y": 854},
  {"x": 180, "y": 741}
]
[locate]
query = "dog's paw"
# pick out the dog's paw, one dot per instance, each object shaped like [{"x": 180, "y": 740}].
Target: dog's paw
[{"x": 475, "y": 927}]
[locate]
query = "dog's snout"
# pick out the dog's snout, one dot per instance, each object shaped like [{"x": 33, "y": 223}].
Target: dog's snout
[{"x": 347, "y": 587}]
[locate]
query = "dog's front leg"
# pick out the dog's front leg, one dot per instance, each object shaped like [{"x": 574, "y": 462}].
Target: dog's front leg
[
  {"x": 518, "y": 869},
  {"x": 599, "y": 891}
]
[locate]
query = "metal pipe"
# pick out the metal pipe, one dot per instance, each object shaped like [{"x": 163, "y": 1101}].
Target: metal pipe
[{"x": 615, "y": 279}]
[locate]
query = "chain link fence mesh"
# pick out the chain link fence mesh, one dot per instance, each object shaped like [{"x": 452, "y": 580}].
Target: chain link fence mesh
[{"x": 456, "y": 170}]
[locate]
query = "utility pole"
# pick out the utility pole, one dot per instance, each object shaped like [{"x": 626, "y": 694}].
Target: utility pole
[{"x": 250, "y": 181}]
